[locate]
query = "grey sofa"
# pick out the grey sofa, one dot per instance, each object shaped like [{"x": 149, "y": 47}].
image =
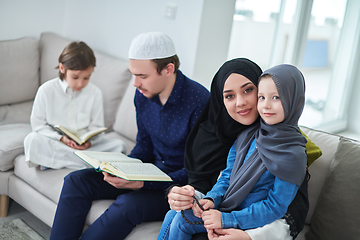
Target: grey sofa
[{"x": 26, "y": 63}]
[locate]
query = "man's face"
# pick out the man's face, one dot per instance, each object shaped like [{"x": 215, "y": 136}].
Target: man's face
[{"x": 147, "y": 80}]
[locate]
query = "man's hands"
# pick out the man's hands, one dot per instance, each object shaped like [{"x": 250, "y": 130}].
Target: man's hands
[
  {"x": 71, "y": 143},
  {"x": 122, "y": 183}
]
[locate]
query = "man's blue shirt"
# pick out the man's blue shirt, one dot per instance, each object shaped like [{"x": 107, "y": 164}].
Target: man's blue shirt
[{"x": 163, "y": 130}]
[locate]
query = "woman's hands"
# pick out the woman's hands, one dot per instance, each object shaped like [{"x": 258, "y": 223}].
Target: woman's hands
[
  {"x": 228, "y": 234},
  {"x": 180, "y": 198},
  {"x": 71, "y": 143},
  {"x": 122, "y": 183}
]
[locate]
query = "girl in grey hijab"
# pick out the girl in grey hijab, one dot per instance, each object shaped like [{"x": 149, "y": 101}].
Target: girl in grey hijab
[{"x": 265, "y": 166}]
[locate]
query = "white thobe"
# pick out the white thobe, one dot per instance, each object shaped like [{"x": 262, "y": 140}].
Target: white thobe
[{"x": 57, "y": 104}]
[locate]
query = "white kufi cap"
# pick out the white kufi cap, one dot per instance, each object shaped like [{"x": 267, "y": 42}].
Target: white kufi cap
[{"x": 152, "y": 45}]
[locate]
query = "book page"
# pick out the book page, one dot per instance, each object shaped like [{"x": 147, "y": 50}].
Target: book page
[
  {"x": 86, "y": 136},
  {"x": 110, "y": 157},
  {"x": 80, "y": 137},
  {"x": 90, "y": 160},
  {"x": 68, "y": 133},
  {"x": 136, "y": 171},
  {"x": 120, "y": 165}
]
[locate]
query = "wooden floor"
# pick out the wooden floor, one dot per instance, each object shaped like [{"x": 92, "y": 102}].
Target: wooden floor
[{"x": 17, "y": 211}]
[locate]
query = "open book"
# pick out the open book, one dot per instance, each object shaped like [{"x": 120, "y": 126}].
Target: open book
[
  {"x": 79, "y": 139},
  {"x": 120, "y": 165}
]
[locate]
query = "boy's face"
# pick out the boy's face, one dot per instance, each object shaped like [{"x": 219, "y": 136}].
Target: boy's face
[
  {"x": 240, "y": 99},
  {"x": 147, "y": 80},
  {"x": 269, "y": 104},
  {"x": 76, "y": 79}
]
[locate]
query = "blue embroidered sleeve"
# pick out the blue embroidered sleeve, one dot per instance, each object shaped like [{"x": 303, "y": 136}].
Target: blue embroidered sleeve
[
  {"x": 222, "y": 184},
  {"x": 263, "y": 212}
]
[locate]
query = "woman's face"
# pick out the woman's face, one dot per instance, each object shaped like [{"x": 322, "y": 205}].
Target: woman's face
[{"x": 240, "y": 99}]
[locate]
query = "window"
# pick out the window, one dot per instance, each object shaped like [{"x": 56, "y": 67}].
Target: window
[{"x": 316, "y": 36}]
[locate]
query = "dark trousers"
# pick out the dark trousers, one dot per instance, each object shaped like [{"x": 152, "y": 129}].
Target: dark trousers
[{"x": 129, "y": 209}]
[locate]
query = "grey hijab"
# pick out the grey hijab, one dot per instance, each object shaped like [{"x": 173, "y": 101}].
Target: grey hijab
[{"x": 280, "y": 147}]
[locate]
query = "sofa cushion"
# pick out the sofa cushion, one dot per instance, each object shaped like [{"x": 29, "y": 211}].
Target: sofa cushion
[
  {"x": 49, "y": 182},
  {"x": 313, "y": 152},
  {"x": 318, "y": 170},
  {"x": 337, "y": 214},
  {"x": 11, "y": 143},
  {"x": 111, "y": 75},
  {"x": 16, "y": 113},
  {"x": 125, "y": 123},
  {"x": 146, "y": 230},
  {"x": 128, "y": 142},
  {"x": 19, "y": 70}
]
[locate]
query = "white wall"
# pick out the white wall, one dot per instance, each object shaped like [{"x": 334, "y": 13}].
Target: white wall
[
  {"x": 214, "y": 38},
  {"x": 110, "y": 25},
  {"x": 27, "y": 18},
  {"x": 106, "y": 25}
]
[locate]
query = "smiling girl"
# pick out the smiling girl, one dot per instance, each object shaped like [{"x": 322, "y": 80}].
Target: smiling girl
[{"x": 72, "y": 101}]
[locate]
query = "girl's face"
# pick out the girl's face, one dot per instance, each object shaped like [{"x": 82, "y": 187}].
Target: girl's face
[
  {"x": 76, "y": 79},
  {"x": 240, "y": 99},
  {"x": 269, "y": 104}
]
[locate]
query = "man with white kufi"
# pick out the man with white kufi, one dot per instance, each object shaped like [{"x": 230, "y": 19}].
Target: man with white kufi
[{"x": 167, "y": 106}]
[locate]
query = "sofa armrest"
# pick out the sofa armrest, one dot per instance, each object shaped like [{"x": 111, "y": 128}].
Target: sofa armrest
[{"x": 12, "y": 143}]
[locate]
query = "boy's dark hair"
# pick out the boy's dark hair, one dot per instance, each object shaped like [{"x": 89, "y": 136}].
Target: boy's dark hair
[
  {"x": 163, "y": 62},
  {"x": 76, "y": 56}
]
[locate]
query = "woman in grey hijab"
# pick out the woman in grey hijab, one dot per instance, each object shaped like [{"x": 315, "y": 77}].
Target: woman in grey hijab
[{"x": 265, "y": 167}]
